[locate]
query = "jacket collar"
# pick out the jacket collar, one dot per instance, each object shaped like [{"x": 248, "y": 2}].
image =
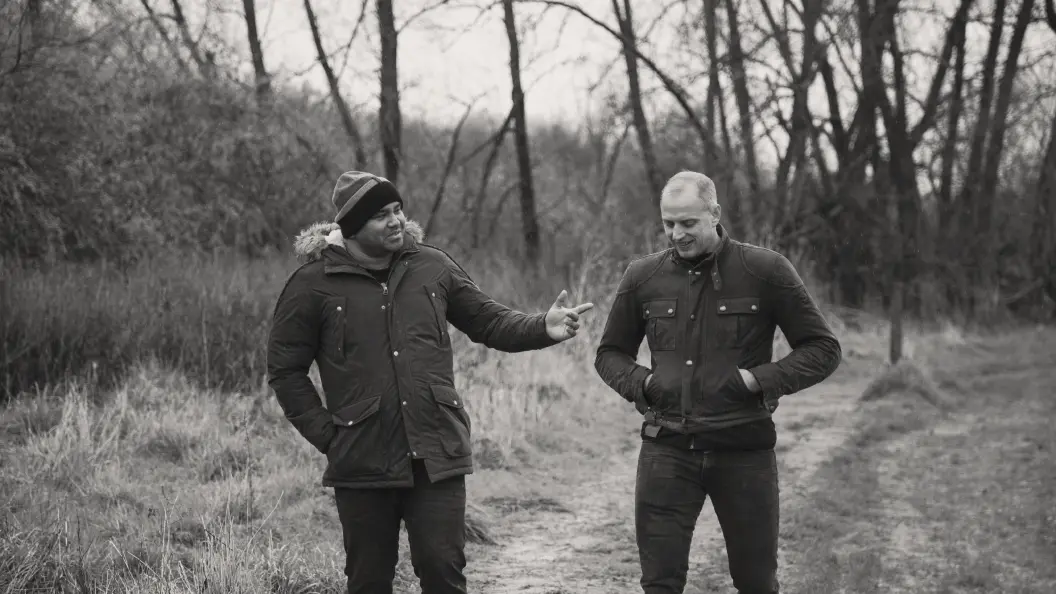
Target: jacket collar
[{"x": 337, "y": 260}]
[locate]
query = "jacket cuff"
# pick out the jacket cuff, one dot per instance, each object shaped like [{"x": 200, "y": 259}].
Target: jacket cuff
[
  {"x": 541, "y": 339},
  {"x": 317, "y": 427},
  {"x": 637, "y": 383},
  {"x": 768, "y": 376}
]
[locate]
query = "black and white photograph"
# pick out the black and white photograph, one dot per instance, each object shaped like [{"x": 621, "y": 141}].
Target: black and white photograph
[{"x": 527, "y": 296}]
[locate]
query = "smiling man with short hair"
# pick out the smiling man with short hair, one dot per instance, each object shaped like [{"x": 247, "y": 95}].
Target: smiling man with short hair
[{"x": 709, "y": 306}]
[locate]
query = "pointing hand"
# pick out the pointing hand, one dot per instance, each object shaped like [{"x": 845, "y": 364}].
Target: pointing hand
[{"x": 562, "y": 321}]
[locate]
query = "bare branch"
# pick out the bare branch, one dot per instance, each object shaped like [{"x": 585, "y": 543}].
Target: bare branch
[{"x": 448, "y": 167}]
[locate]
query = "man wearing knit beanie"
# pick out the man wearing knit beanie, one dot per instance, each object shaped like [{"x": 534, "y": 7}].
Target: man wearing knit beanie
[{"x": 371, "y": 308}]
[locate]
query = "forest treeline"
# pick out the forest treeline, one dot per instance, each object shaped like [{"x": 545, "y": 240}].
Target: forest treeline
[{"x": 888, "y": 159}]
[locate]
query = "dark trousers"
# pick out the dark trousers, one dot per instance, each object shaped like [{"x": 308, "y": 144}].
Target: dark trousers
[
  {"x": 671, "y": 487},
  {"x": 435, "y": 516}
]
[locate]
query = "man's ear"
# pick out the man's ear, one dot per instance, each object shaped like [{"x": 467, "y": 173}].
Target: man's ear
[{"x": 718, "y": 214}]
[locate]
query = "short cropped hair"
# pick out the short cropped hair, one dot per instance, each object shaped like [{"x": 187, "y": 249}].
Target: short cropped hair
[{"x": 691, "y": 180}]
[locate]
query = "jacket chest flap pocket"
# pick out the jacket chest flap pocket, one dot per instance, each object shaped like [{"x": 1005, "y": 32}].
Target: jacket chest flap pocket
[
  {"x": 454, "y": 430},
  {"x": 736, "y": 317},
  {"x": 437, "y": 311},
  {"x": 660, "y": 323},
  {"x": 332, "y": 328}
]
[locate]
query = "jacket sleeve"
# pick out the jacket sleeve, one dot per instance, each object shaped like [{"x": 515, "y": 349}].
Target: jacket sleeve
[
  {"x": 490, "y": 323},
  {"x": 616, "y": 360},
  {"x": 816, "y": 352},
  {"x": 292, "y": 345}
]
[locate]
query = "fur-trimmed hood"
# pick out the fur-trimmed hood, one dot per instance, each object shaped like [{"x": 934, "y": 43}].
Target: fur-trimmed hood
[{"x": 310, "y": 242}]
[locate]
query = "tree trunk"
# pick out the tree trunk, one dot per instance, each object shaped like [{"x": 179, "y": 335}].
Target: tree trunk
[
  {"x": 389, "y": 113},
  {"x": 263, "y": 81},
  {"x": 949, "y": 149},
  {"x": 970, "y": 194},
  {"x": 714, "y": 94},
  {"x": 998, "y": 126},
  {"x": 335, "y": 91},
  {"x": 641, "y": 125},
  {"x": 744, "y": 100},
  {"x": 1043, "y": 244},
  {"x": 529, "y": 223}
]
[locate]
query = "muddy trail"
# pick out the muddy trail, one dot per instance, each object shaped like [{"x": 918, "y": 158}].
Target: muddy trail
[
  {"x": 578, "y": 538},
  {"x": 918, "y": 498}
]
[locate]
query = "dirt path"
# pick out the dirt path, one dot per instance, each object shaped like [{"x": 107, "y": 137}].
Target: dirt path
[{"x": 579, "y": 537}]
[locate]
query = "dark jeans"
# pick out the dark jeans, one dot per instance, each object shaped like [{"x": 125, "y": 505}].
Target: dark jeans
[
  {"x": 435, "y": 516},
  {"x": 670, "y": 491}
]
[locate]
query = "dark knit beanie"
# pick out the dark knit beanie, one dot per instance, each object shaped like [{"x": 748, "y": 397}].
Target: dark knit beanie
[{"x": 359, "y": 196}]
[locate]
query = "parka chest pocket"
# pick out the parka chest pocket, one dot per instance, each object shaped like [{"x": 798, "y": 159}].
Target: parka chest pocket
[
  {"x": 332, "y": 327},
  {"x": 438, "y": 309},
  {"x": 661, "y": 327},
  {"x": 736, "y": 318}
]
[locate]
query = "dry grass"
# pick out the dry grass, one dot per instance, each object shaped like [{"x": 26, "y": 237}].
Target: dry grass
[{"x": 159, "y": 485}]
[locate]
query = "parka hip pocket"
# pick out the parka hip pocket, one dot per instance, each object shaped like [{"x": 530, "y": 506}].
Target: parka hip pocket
[
  {"x": 735, "y": 320},
  {"x": 661, "y": 328},
  {"x": 453, "y": 420},
  {"x": 356, "y": 448}
]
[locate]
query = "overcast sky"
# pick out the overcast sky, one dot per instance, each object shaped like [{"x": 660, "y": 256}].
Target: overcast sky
[{"x": 457, "y": 53}]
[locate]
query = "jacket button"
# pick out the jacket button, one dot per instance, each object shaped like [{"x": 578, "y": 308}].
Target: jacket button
[
  {"x": 692, "y": 316},
  {"x": 755, "y": 307},
  {"x": 689, "y": 362},
  {"x": 433, "y": 294},
  {"x": 351, "y": 422},
  {"x": 670, "y": 311},
  {"x": 647, "y": 312},
  {"x": 382, "y": 307},
  {"x": 454, "y": 402},
  {"x": 722, "y": 308},
  {"x": 405, "y": 403},
  {"x": 338, "y": 308},
  {"x": 395, "y": 353}
]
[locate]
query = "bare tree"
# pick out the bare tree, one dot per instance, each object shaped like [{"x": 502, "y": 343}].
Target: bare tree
[
  {"x": 351, "y": 128},
  {"x": 263, "y": 81},
  {"x": 449, "y": 164},
  {"x": 744, "y": 99},
  {"x": 1000, "y": 117},
  {"x": 164, "y": 34},
  {"x": 204, "y": 65},
  {"x": 800, "y": 127},
  {"x": 529, "y": 222},
  {"x": 389, "y": 118},
  {"x": 970, "y": 195},
  {"x": 1043, "y": 233},
  {"x": 630, "y": 55}
]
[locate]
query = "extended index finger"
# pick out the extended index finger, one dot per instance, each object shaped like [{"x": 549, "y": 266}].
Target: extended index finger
[{"x": 583, "y": 307}]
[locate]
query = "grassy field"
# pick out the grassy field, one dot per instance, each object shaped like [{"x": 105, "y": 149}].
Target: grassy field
[{"x": 933, "y": 476}]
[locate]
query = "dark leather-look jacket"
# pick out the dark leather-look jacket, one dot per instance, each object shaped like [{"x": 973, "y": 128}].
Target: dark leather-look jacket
[{"x": 703, "y": 323}]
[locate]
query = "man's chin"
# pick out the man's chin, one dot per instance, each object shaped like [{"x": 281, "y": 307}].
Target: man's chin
[{"x": 687, "y": 252}]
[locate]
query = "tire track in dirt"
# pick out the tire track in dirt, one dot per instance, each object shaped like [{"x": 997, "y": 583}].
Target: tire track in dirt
[{"x": 580, "y": 539}]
